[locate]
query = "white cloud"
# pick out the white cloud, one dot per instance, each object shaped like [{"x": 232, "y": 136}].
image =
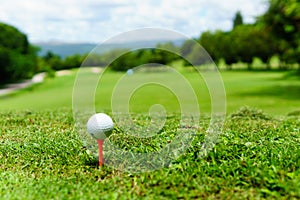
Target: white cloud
[{"x": 95, "y": 21}]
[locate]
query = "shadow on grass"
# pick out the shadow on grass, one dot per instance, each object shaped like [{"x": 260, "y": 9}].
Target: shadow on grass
[
  {"x": 292, "y": 75},
  {"x": 291, "y": 92}
]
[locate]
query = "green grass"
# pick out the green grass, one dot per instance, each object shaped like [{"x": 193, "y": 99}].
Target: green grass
[
  {"x": 274, "y": 92},
  {"x": 256, "y": 157}
]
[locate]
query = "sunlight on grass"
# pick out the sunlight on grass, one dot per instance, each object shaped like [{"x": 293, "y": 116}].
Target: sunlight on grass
[
  {"x": 265, "y": 90},
  {"x": 43, "y": 158}
]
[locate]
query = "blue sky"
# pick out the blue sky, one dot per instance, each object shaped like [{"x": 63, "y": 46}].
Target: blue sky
[{"x": 98, "y": 20}]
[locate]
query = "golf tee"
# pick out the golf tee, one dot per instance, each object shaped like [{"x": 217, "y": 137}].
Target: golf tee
[{"x": 100, "y": 147}]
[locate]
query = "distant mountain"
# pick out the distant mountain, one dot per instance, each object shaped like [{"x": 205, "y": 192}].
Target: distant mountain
[
  {"x": 64, "y": 49},
  {"x": 67, "y": 49}
]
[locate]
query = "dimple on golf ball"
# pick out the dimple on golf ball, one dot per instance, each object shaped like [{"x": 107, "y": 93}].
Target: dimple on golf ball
[{"x": 100, "y": 126}]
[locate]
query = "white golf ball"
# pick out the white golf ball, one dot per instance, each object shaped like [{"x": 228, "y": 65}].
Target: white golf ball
[{"x": 100, "y": 126}]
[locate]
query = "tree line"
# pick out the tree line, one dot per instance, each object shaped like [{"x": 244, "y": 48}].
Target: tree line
[{"x": 275, "y": 33}]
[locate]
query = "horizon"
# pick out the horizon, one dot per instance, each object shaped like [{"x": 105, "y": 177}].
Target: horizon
[{"x": 60, "y": 42}]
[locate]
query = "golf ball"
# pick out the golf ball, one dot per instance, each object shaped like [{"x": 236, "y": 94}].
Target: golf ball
[{"x": 100, "y": 126}]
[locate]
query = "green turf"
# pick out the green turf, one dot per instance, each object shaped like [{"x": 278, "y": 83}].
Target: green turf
[
  {"x": 256, "y": 157},
  {"x": 274, "y": 92}
]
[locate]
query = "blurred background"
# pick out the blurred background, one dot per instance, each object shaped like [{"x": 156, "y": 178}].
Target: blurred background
[{"x": 255, "y": 45}]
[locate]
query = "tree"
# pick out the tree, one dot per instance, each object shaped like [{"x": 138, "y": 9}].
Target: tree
[
  {"x": 94, "y": 59},
  {"x": 166, "y": 53},
  {"x": 18, "y": 59},
  {"x": 252, "y": 41},
  {"x": 198, "y": 56},
  {"x": 214, "y": 44},
  {"x": 187, "y": 47},
  {"x": 54, "y": 61},
  {"x": 228, "y": 49},
  {"x": 238, "y": 19},
  {"x": 4, "y": 62},
  {"x": 241, "y": 44},
  {"x": 73, "y": 61},
  {"x": 219, "y": 45},
  {"x": 283, "y": 20},
  {"x": 124, "y": 62}
]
